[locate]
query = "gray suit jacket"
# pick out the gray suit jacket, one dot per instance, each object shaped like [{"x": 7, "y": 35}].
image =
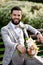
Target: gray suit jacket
[{"x": 10, "y": 42}]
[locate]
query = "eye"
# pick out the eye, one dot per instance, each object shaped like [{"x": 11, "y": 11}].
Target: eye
[{"x": 18, "y": 15}]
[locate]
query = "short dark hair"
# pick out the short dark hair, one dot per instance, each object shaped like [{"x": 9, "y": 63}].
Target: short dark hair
[{"x": 16, "y": 8}]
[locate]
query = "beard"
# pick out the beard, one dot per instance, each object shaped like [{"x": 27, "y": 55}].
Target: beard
[{"x": 15, "y": 22}]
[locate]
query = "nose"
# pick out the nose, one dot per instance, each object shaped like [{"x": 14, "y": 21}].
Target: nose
[{"x": 17, "y": 16}]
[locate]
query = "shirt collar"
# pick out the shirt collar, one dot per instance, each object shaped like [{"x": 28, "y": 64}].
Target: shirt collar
[
  {"x": 17, "y": 26},
  {"x": 13, "y": 25}
]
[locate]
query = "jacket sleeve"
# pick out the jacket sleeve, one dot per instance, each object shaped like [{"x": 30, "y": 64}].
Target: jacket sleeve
[
  {"x": 6, "y": 39},
  {"x": 31, "y": 29},
  {"x": 9, "y": 46}
]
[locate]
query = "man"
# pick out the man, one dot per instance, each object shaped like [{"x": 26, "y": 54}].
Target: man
[{"x": 13, "y": 39}]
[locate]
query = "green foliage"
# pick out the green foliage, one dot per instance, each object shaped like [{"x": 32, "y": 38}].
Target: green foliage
[
  {"x": 4, "y": 16},
  {"x": 32, "y": 14},
  {"x": 36, "y": 22}
]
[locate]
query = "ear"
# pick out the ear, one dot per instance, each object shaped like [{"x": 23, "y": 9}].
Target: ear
[{"x": 21, "y": 15}]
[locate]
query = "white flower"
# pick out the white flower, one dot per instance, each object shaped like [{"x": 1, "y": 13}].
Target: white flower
[{"x": 31, "y": 47}]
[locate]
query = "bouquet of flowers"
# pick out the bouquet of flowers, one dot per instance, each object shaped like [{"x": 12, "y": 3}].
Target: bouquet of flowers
[{"x": 31, "y": 46}]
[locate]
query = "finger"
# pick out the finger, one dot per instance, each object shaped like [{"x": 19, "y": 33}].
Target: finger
[
  {"x": 41, "y": 39},
  {"x": 38, "y": 39}
]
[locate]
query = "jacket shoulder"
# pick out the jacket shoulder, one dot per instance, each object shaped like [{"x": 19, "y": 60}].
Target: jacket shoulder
[{"x": 5, "y": 27}]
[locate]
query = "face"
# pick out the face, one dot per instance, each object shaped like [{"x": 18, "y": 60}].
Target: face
[{"x": 16, "y": 16}]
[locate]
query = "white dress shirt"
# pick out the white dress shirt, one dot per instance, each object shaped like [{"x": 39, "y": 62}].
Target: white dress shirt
[{"x": 19, "y": 33}]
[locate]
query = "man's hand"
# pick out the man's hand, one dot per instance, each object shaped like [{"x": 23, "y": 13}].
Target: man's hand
[
  {"x": 40, "y": 38},
  {"x": 21, "y": 48}
]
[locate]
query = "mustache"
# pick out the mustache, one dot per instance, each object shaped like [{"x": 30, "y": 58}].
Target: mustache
[{"x": 14, "y": 22}]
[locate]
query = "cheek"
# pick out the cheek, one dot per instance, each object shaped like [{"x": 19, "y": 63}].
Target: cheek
[
  {"x": 20, "y": 17},
  {"x": 13, "y": 17}
]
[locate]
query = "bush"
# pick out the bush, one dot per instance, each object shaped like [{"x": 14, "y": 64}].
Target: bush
[{"x": 32, "y": 15}]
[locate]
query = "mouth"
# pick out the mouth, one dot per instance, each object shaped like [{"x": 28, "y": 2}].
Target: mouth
[{"x": 16, "y": 20}]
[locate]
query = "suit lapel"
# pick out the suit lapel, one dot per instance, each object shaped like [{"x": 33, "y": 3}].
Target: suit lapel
[{"x": 13, "y": 33}]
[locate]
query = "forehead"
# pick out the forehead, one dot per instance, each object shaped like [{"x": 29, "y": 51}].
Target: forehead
[{"x": 16, "y": 12}]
